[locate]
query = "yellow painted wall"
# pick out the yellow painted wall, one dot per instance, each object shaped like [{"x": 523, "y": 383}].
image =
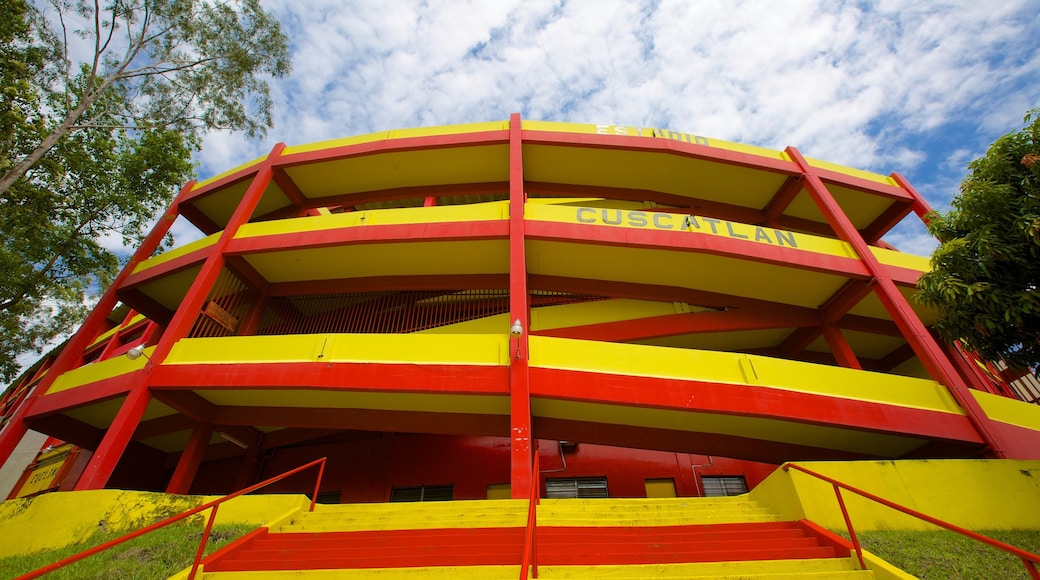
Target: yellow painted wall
[
  {"x": 736, "y": 368},
  {"x": 59, "y": 519},
  {"x": 977, "y": 494}
]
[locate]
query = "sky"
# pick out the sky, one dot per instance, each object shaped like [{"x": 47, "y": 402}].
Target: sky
[{"x": 920, "y": 88}]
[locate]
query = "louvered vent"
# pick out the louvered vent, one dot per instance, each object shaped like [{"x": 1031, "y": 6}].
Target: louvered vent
[
  {"x": 716, "y": 486},
  {"x": 587, "y": 487}
]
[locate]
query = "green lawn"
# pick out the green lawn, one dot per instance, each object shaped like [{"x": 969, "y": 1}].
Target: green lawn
[
  {"x": 943, "y": 554},
  {"x": 156, "y": 555}
]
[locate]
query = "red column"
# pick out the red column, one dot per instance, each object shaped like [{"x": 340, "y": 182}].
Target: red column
[
  {"x": 116, "y": 438},
  {"x": 840, "y": 347},
  {"x": 916, "y": 333},
  {"x": 191, "y": 458},
  {"x": 190, "y": 307},
  {"x": 72, "y": 354},
  {"x": 247, "y": 468},
  {"x": 99, "y": 470},
  {"x": 921, "y": 207},
  {"x": 519, "y": 378}
]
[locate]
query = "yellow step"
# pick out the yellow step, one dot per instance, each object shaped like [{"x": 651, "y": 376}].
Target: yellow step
[
  {"x": 513, "y": 513},
  {"x": 409, "y": 516},
  {"x": 653, "y": 512}
]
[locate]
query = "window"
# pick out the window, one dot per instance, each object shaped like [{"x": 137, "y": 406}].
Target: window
[
  {"x": 715, "y": 486},
  {"x": 423, "y": 493},
  {"x": 499, "y": 491},
  {"x": 664, "y": 487},
  {"x": 329, "y": 496},
  {"x": 576, "y": 487}
]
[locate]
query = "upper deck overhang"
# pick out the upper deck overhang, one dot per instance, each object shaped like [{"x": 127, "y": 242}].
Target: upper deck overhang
[{"x": 469, "y": 163}]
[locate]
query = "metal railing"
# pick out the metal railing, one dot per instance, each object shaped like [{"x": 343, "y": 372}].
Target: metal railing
[
  {"x": 530, "y": 557},
  {"x": 1029, "y": 560},
  {"x": 205, "y": 535}
]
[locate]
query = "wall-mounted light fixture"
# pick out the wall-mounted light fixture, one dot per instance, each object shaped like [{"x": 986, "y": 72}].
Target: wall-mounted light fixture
[
  {"x": 137, "y": 352},
  {"x": 517, "y": 330},
  {"x": 231, "y": 439}
]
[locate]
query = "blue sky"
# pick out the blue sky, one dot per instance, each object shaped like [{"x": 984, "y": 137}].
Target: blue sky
[{"x": 915, "y": 87}]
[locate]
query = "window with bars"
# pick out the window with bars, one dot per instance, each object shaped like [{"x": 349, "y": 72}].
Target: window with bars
[
  {"x": 423, "y": 493},
  {"x": 721, "y": 485},
  {"x": 576, "y": 487},
  {"x": 227, "y": 304},
  {"x": 393, "y": 312}
]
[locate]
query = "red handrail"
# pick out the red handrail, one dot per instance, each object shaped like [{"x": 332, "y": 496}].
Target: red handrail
[
  {"x": 205, "y": 536},
  {"x": 1029, "y": 560},
  {"x": 530, "y": 540}
]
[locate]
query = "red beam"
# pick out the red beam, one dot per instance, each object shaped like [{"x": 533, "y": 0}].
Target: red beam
[
  {"x": 200, "y": 220},
  {"x": 871, "y": 325},
  {"x": 186, "y": 403},
  {"x": 289, "y": 188},
  {"x": 661, "y": 145},
  {"x": 146, "y": 305},
  {"x": 69, "y": 430},
  {"x": 886, "y": 221},
  {"x": 783, "y": 198},
  {"x": 166, "y": 268},
  {"x": 86, "y": 394},
  {"x": 392, "y": 194},
  {"x": 896, "y": 357},
  {"x": 164, "y": 425},
  {"x": 394, "y": 146},
  {"x": 840, "y": 348}
]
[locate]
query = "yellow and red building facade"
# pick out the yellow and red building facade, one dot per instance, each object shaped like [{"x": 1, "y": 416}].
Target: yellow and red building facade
[{"x": 432, "y": 307}]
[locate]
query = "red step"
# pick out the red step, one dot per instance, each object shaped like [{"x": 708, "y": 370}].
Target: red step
[{"x": 503, "y": 546}]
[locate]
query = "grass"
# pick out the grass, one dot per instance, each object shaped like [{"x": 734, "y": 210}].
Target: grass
[
  {"x": 156, "y": 555},
  {"x": 944, "y": 554}
]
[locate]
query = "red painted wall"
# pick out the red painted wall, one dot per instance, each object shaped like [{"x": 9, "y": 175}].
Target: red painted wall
[{"x": 366, "y": 468}]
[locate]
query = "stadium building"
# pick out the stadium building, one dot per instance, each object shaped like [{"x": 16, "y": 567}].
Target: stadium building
[{"x": 652, "y": 313}]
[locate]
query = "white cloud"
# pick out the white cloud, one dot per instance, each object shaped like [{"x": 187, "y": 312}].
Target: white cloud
[{"x": 875, "y": 85}]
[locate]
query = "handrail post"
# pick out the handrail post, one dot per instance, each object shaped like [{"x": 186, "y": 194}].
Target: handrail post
[
  {"x": 317, "y": 484},
  {"x": 536, "y": 484},
  {"x": 529, "y": 557},
  {"x": 848, "y": 525},
  {"x": 1031, "y": 567},
  {"x": 202, "y": 542}
]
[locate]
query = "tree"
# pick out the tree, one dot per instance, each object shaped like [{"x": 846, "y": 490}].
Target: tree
[
  {"x": 985, "y": 276},
  {"x": 101, "y": 109}
]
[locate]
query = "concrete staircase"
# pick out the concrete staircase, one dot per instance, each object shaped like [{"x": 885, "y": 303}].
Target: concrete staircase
[{"x": 605, "y": 538}]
